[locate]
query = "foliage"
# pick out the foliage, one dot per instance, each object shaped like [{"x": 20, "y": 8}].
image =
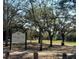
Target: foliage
[{"x": 45, "y": 15}]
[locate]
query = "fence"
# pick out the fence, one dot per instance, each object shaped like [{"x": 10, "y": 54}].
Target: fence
[{"x": 35, "y": 55}]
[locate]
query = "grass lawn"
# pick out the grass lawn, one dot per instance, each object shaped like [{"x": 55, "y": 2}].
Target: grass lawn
[{"x": 56, "y": 42}]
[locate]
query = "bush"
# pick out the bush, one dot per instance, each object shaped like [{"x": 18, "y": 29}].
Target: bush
[{"x": 71, "y": 37}]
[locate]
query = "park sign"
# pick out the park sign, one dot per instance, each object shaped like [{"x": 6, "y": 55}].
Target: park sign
[{"x": 18, "y": 37}]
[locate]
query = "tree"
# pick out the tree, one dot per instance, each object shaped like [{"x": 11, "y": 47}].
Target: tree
[
  {"x": 45, "y": 15},
  {"x": 65, "y": 17},
  {"x": 10, "y": 13}
]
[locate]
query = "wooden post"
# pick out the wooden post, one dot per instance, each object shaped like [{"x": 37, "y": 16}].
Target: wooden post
[
  {"x": 74, "y": 55},
  {"x": 35, "y": 55},
  {"x": 7, "y": 55},
  {"x": 64, "y": 56}
]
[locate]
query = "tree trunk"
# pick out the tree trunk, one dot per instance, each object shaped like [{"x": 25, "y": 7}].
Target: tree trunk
[
  {"x": 25, "y": 40},
  {"x": 50, "y": 41},
  {"x": 50, "y": 37},
  {"x": 40, "y": 39},
  {"x": 6, "y": 38},
  {"x": 62, "y": 34},
  {"x": 10, "y": 34}
]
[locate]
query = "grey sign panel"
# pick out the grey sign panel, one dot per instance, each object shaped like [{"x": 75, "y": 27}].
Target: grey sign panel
[{"x": 18, "y": 37}]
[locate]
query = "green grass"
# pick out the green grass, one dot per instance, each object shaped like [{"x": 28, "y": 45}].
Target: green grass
[{"x": 56, "y": 42}]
